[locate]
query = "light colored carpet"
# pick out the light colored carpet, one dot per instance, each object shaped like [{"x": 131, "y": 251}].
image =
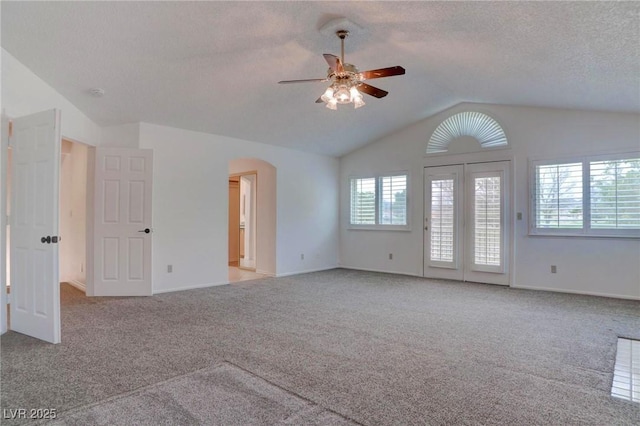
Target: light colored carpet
[
  {"x": 375, "y": 348},
  {"x": 220, "y": 395}
]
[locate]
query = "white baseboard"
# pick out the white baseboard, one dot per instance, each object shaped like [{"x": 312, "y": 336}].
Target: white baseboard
[
  {"x": 189, "y": 287},
  {"x": 381, "y": 271},
  {"x": 307, "y": 271},
  {"x": 77, "y": 284},
  {"x": 555, "y": 290},
  {"x": 584, "y": 293},
  {"x": 269, "y": 274}
]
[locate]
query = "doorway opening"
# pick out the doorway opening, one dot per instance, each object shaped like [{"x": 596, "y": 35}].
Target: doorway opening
[
  {"x": 73, "y": 214},
  {"x": 251, "y": 220}
]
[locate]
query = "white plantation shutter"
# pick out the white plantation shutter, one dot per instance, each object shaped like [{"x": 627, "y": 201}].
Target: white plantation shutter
[
  {"x": 363, "y": 201},
  {"x": 379, "y": 201},
  {"x": 487, "y": 221},
  {"x": 558, "y": 196},
  {"x": 442, "y": 220},
  {"x": 393, "y": 200},
  {"x": 615, "y": 194},
  {"x": 594, "y": 195}
]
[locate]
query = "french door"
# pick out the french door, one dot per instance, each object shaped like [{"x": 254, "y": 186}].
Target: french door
[{"x": 467, "y": 224}]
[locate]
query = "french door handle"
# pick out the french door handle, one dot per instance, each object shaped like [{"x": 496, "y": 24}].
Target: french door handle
[{"x": 145, "y": 230}]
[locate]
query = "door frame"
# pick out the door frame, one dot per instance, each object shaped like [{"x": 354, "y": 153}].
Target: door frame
[
  {"x": 239, "y": 175},
  {"x": 486, "y": 156},
  {"x": 4, "y": 149}
]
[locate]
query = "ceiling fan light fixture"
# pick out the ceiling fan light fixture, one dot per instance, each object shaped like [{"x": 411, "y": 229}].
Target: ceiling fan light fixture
[
  {"x": 356, "y": 97},
  {"x": 346, "y": 82},
  {"x": 332, "y": 104},
  {"x": 328, "y": 94},
  {"x": 342, "y": 95}
]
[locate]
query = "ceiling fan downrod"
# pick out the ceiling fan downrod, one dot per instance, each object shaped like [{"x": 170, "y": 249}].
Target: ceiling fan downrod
[{"x": 342, "y": 34}]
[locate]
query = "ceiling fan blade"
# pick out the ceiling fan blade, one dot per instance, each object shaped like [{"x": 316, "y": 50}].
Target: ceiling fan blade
[
  {"x": 382, "y": 72},
  {"x": 334, "y": 62},
  {"x": 373, "y": 91},
  {"x": 309, "y": 80}
]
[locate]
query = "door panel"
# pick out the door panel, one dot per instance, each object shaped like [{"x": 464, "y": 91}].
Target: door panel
[
  {"x": 122, "y": 248},
  {"x": 487, "y": 231},
  {"x": 35, "y": 287},
  {"x": 443, "y": 186},
  {"x": 466, "y": 224}
]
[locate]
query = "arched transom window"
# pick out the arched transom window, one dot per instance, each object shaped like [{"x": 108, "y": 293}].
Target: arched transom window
[{"x": 480, "y": 126}]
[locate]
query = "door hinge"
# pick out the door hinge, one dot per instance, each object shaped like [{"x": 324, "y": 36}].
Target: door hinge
[{"x": 10, "y": 133}]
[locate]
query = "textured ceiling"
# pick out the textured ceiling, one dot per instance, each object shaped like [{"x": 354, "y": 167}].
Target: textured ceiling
[{"x": 213, "y": 66}]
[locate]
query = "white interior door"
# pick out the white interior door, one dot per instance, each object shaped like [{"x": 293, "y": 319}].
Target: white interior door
[
  {"x": 122, "y": 222},
  {"x": 467, "y": 222},
  {"x": 35, "y": 289}
]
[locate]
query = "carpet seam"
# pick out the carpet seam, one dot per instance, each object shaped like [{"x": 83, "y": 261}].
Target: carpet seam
[
  {"x": 304, "y": 398},
  {"x": 131, "y": 392}
]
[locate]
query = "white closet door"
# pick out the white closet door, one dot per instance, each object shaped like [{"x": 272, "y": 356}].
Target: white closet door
[
  {"x": 122, "y": 222},
  {"x": 35, "y": 287}
]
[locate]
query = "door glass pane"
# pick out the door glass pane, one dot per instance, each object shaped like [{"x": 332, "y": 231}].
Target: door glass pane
[
  {"x": 442, "y": 219},
  {"x": 487, "y": 227}
]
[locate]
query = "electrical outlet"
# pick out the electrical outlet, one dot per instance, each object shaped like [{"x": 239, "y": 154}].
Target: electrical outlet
[
  {"x": 169, "y": 268},
  {"x": 554, "y": 269},
  {"x": 301, "y": 256},
  {"x": 390, "y": 256}
]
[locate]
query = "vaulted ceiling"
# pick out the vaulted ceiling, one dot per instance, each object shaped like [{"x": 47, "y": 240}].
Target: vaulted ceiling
[{"x": 214, "y": 66}]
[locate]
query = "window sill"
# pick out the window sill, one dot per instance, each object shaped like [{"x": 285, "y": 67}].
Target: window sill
[
  {"x": 396, "y": 228},
  {"x": 632, "y": 236}
]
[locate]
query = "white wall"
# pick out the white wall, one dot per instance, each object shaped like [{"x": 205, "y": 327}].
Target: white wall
[
  {"x": 64, "y": 221},
  {"x": 122, "y": 136},
  {"x": 602, "y": 266},
  {"x": 190, "y": 197},
  {"x": 24, "y": 93},
  {"x": 73, "y": 220}
]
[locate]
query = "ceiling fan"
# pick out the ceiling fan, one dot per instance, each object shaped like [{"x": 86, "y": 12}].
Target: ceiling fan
[{"x": 347, "y": 83}]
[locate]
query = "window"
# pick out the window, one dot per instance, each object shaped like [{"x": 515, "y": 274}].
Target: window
[
  {"x": 615, "y": 194},
  {"x": 588, "y": 196},
  {"x": 379, "y": 202}
]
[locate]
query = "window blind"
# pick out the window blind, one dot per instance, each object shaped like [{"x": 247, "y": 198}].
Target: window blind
[
  {"x": 487, "y": 227},
  {"x": 363, "y": 201},
  {"x": 393, "y": 200},
  {"x": 558, "y": 196},
  {"x": 442, "y": 220},
  {"x": 615, "y": 194}
]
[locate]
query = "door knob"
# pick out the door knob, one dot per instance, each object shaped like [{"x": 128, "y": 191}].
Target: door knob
[
  {"x": 46, "y": 240},
  {"x": 145, "y": 230}
]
